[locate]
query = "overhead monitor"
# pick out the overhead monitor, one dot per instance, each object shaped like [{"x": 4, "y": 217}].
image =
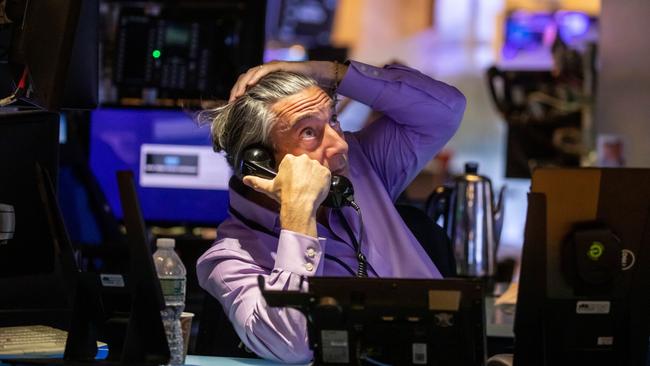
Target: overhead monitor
[{"x": 165, "y": 52}]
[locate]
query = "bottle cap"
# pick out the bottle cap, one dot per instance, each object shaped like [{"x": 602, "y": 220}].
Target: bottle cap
[{"x": 165, "y": 243}]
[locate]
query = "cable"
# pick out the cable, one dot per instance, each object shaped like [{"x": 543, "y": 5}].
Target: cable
[
  {"x": 23, "y": 78},
  {"x": 18, "y": 92},
  {"x": 362, "y": 268}
]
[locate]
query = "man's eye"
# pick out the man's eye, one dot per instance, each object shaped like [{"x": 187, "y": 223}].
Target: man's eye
[
  {"x": 308, "y": 133},
  {"x": 335, "y": 123}
]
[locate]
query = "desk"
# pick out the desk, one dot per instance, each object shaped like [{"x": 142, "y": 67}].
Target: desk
[
  {"x": 499, "y": 321},
  {"x": 227, "y": 361}
]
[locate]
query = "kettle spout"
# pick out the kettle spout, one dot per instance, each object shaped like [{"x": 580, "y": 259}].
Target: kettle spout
[{"x": 498, "y": 215}]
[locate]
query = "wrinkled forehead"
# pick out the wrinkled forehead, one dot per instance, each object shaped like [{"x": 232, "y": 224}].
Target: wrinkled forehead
[{"x": 310, "y": 101}]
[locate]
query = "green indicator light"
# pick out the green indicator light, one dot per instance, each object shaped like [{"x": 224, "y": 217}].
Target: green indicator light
[
  {"x": 596, "y": 250},
  {"x": 155, "y": 53}
]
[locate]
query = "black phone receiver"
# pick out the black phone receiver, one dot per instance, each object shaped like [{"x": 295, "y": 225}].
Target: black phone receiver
[{"x": 257, "y": 160}]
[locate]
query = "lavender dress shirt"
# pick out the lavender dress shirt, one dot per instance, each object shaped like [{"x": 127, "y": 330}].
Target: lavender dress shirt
[{"x": 419, "y": 116}]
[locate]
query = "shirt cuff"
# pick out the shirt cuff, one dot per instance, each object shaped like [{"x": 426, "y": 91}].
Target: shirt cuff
[
  {"x": 357, "y": 85},
  {"x": 299, "y": 253}
]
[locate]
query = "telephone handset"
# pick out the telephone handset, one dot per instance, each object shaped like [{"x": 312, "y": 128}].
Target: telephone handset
[{"x": 258, "y": 160}]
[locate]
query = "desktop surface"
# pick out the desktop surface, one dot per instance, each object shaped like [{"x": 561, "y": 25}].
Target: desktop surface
[
  {"x": 228, "y": 361},
  {"x": 192, "y": 360}
]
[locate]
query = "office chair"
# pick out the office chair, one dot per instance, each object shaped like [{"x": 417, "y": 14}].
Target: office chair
[
  {"x": 216, "y": 335},
  {"x": 432, "y": 237}
]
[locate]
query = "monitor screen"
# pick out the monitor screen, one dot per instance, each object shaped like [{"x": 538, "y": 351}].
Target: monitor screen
[
  {"x": 180, "y": 179},
  {"x": 528, "y": 40},
  {"x": 529, "y": 36}
]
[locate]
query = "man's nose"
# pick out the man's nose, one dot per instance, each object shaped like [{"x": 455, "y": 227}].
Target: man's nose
[{"x": 334, "y": 142}]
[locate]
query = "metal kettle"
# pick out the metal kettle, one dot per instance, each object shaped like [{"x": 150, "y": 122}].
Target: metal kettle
[{"x": 472, "y": 220}]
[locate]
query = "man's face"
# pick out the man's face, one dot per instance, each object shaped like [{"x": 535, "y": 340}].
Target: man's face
[{"x": 304, "y": 126}]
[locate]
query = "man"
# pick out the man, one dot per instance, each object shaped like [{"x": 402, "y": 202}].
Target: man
[{"x": 278, "y": 228}]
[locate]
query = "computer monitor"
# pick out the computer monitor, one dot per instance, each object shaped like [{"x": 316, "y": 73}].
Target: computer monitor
[
  {"x": 121, "y": 309},
  {"x": 584, "y": 292},
  {"x": 527, "y": 40},
  {"x": 26, "y": 139},
  {"x": 91, "y": 225},
  {"x": 391, "y": 321},
  {"x": 56, "y": 43},
  {"x": 529, "y": 37},
  {"x": 180, "y": 179},
  {"x": 40, "y": 280},
  {"x": 32, "y": 292}
]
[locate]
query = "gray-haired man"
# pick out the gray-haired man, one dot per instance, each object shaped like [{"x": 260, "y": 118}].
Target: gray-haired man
[{"x": 278, "y": 228}]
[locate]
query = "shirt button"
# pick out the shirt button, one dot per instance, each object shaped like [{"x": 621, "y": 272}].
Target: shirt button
[
  {"x": 310, "y": 252},
  {"x": 309, "y": 267},
  {"x": 363, "y": 68},
  {"x": 375, "y": 73}
]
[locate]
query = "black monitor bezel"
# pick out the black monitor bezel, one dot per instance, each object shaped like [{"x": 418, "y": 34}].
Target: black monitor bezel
[
  {"x": 366, "y": 307},
  {"x": 546, "y": 315}
]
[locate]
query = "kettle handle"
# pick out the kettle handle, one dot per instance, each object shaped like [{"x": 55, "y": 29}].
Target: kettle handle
[
  {"x": 499, "y": 215},
  {"x": 438, "y": 204}
]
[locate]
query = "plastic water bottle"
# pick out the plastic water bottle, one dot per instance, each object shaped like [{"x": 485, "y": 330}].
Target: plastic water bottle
[{"x": 172, "y": 275}]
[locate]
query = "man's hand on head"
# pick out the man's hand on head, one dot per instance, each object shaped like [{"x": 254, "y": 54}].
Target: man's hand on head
[
  {"x": 301, "y": 185},
  {"x": 322, "y": 71}
]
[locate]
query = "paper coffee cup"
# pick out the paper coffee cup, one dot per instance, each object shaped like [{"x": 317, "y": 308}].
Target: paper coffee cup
[{"x": 186, "y": 327}]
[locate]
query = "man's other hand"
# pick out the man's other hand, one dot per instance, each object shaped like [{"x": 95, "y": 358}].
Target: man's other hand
[{"x": 322, "y": 71}]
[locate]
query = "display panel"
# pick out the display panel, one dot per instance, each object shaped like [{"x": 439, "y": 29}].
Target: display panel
[{"x": 180, "y": 179}]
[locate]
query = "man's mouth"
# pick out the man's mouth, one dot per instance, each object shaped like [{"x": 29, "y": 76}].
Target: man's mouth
[
  {"x": 341, "y": 168},
  {"x": 339, "y": 171}
]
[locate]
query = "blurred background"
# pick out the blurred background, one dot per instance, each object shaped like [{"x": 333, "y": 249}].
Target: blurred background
[
  {"x": 548, "y": 83},
  {"x": 521, "y": 64}
]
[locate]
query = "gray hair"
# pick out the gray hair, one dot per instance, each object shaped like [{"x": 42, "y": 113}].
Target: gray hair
[{"x": 248, "y": 120}]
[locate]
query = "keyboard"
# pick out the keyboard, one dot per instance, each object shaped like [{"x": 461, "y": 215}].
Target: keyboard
[{"x": 32, "y": 340}]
